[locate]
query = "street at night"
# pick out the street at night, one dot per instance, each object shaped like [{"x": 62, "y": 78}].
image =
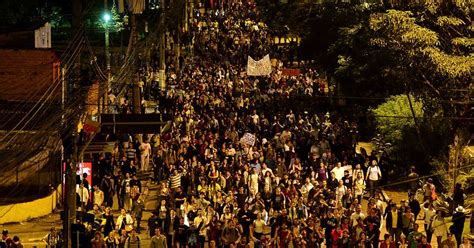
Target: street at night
[{"x": 232, "y": 123}]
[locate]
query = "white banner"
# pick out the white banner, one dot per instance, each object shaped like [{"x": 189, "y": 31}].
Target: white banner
[
  {"x": 261, "y": 67},
  {"x": 43, "y": 36},
  {"x": 248, "y": 139}
]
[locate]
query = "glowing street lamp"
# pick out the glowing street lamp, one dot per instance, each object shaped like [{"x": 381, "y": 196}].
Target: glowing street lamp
[{"x": 106, "y": 17}]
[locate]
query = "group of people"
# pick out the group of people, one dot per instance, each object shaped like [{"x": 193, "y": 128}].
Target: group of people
[
  {"x": 230, "y": 34},
  {"x": 9, "y": 242},
  {"x": 115, "y": 176},
  {"x": 248, "y": 162}
]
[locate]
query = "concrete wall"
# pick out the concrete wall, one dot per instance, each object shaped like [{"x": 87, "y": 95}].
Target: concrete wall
[{"x": 29, "y": 210}]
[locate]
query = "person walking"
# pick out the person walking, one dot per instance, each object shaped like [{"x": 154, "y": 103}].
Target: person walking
[
  {"x": 373, "y": 177},
  {"x": 439, "y": 228},
  {"x": 133, "y": 241},
  {"x": 415, "y": 237},
  {"x": 98, "y": 196},
  {"x": 111, "y": 241},
  {"x": 107, "y": 187},
  {"x": 428, "y": 219},
  {"x": 52, "y": 239},
  {"x": 17, "y": 243},
  {"x": 145, "y": 152},
  {"x": 158, "y": 240},
  {"x": 126, "y": 189},
  {"x": 459, "y": 217},
  {"x": 466, "y": 243},
  {"x": 83, "y": 193},
  {"x": 137, "y": 211},
  {"x": 124, "y": 221},
  {"x": 98, "y": 241},
  {"x": 448, "y": 242}
]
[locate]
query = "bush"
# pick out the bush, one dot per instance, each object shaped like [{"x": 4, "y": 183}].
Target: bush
[{"x": 394, "y": 117}]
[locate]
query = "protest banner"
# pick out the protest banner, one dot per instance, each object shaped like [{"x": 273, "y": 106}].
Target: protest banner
[
  {"x": 248, "y": 139},
  {"x": 261, "y": 67}
]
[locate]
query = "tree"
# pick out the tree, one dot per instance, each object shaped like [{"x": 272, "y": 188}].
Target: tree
[
  {"x": 394, "y": 116},
  {"x": 435, "y": 62}
]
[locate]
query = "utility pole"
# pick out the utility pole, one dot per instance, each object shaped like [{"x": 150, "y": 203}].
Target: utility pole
[
  {"x": 107, "y": 52},
  {"x": 70, "y": 210},
  {"x": 136, "y": 97},
  {"x": 186, "y": 15},
  {"x": 105, "y": 89},
  {"x": 162, "y": 75},
  {"x": 70, "y": 160},
  {"x": 137, "y": 106},
  {"x": 178, "y": 46}
]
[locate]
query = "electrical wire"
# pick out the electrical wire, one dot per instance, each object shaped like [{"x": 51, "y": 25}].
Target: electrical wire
[
  {"x": 34, "y": 94},
  {"x": 48, "y": 94}
]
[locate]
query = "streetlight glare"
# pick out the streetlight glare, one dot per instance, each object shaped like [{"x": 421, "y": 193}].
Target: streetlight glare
[{"x": 106, "y": 17}]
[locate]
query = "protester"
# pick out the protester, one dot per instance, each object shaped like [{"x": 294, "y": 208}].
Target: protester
[
  {"x": 158, "y": 240},
  {"x": 448, "y": 242},
  {"x": 6, "y": 240},
  {"x": 53, "y": 239},
  {"x": 466, "y": 243},
  {"x": 459, "y": 217},
  {"x": 98, "y": 241}
]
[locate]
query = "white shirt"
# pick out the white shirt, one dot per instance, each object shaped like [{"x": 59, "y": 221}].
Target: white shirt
[
  {"x": 340, "y": 192},
  {"x": 355, "y": 216},
  {"x": 307, "y": 187},
  {"x": 338, "y": 172},
  {"x": 197, "y": 222},
  {"x": 98, "y": 197},
  {"x": 359, "y": 186},
  {"x": 374, "y": 173},
  {"x": 121, "y": 218},
  {"x": 254, "y": 182},
  {"x": 428, "y": 215},
  {"x": 83, "y": 194}
]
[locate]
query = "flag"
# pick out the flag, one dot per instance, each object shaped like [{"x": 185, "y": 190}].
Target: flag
[
  {"x": 261, "y": 67},
  {"x": 290, "y": 72}
]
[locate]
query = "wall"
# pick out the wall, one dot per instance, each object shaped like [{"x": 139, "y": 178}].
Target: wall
[
  {"x": 25, "y": 75},
  {"x": 30, "y": 210}
]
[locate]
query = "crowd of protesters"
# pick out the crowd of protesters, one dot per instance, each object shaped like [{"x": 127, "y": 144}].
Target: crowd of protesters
[
  {"x": 247, "y": 162},
  {"x": 230, "y": 34}
]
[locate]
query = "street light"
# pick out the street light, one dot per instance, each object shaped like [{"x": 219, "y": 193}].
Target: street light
[{"x": 106, "y": 17}]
